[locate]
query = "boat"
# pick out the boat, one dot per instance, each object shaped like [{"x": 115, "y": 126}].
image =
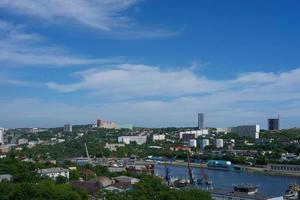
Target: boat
[
  {"x": 208, "y": 182},
  {"x": 181, "y": 183},
  {"x": 199, "y": 181},
  {"x": 246, "y": 188},
  {"x": 293, "y": 192}
]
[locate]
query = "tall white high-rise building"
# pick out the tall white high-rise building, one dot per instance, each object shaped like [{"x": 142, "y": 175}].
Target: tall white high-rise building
[
  {"x": 200, "y": 120},
  {"x": 1, "y": 135},
  {"x": 68, "y": 128}
]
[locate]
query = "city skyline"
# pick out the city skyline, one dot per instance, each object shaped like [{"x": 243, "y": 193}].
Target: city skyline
[{"x": 119, "y": 60}]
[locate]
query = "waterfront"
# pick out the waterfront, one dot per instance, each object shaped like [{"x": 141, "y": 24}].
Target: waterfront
[{"x": 268, "y": 184}]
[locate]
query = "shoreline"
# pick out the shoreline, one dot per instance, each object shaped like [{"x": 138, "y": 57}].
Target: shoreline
[{"x": 243, "y": 168}]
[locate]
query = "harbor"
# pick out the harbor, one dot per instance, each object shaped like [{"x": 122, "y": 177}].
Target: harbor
[{"x": 225, "y": 179}]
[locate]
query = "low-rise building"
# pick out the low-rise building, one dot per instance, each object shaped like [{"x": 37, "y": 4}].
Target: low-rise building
[
  {"x": 283, "y": 168},
  {"x": 2, "y": 155},
  {"x": 193, "y": 143},
  {"x": 22, "y": 141},
  {"x": 127, "y": 179},
  {"x": 127, "y": 139},
  {"x": 196, "y": 133},
  {"x": 223, "y": 130},
  {"x": 5, "y": 177},
  {"x": 179, "y": 148},
  {"x": 5, "y": 148},
  {"x": 289, "y": 157},
  {"x": 219, "y": 143},
  {"x": 113, "y": 147},
  {"x": 119, "y": 187},
  {"x": 204, "y": 143},
  {"x": 53, "y": 173},
  {"x": 90, "y": 186},
  {"x": 158, "y": 137}
]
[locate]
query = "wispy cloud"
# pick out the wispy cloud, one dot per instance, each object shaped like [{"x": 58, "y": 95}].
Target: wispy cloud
[
  {"x": 179, "y": 94},
  {"x": 104, "y": 15},
  {"x": 129, "y": 80},
  {"x": 19, "y": 48}
]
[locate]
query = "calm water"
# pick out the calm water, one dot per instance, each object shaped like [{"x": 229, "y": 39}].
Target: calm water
[{"x": 268, "y": 184}]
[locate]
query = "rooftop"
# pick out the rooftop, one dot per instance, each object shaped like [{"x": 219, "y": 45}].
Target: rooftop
[{"x": 52, "y": 170}]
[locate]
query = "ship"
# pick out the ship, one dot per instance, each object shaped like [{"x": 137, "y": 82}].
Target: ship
[{"x": 293, "y": 192}]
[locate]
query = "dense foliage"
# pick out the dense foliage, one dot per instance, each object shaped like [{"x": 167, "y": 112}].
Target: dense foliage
[
  {"x": 41, "y": 190},
  {"x": 151, "y": 188},
  {"x": 27, "y": 184}
]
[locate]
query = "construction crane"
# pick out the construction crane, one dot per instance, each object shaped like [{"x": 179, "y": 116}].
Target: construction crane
[
  {"x": 192, "y": 182},
  {"x": 87, "y": 152}
]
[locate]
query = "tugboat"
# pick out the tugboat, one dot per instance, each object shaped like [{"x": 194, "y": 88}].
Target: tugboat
[{"x": 293, "y": 192}]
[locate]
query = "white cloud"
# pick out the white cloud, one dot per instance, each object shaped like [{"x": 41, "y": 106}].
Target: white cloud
[
  {"x": 179, "y": 94},
  {"x": 18, "y": 48},
  {"x": 105, "y": 15},
  {"x": 128, "y": 80}
]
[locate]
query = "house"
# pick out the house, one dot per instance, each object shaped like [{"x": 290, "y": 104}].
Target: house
[
  {"x": 119, "y": 187},
  {"x": 113, "y": 147},
  {"x": 90, "y": 186},
  {"x": 127, "y": 179},
  {"x": 2, "y": 155},
  {"x": 103, "y": 181},
  {"x": 289, "y": 157},
  {"x": 53, "y": 173},
  {"x": 180, "y": 148},
  {"x": 5, "y": 177}
]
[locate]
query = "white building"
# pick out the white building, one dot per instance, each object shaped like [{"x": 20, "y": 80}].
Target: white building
[
  {"x": 158, "y": 137},
  {"x": 5, "y": 177},
  {"x": 247, "y": 131},
  {"x": 54, "y": 172},
  {"x": 219, "y": 143},
  {"x": 68, "y": 128},
  {"x": 22, "y": 141},
  {"x": 193, "y": 143},
  {"x": 223, "y": 130},
  {"x": 204, "y": 143},
  {"x": 113, "y": 147},
  {"x": 196, "y": 133},
  {"x": 127, "y": 139},
  {"x": 1, "y": 135}
]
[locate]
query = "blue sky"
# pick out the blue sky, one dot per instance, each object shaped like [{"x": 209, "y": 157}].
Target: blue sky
[{"x": 149, "y": 62}]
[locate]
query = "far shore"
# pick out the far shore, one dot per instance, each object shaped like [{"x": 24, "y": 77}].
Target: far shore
[{"x": 243, "y": 168}]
